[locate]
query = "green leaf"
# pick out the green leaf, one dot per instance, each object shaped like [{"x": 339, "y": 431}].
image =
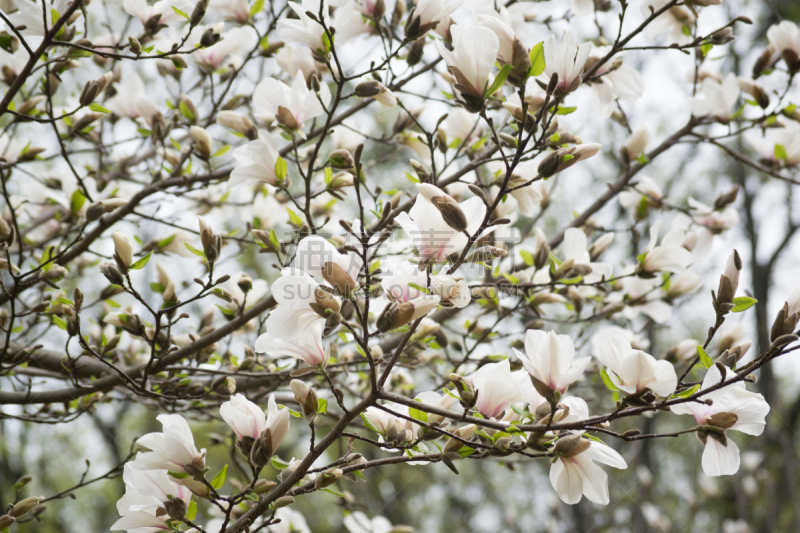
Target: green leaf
[
  {"x": 138, "y": 265},
  {"x": 566, "y": 110},
  {"x": 687, "y": 392},
  {"x": 186, "y": 112},
  {"x": 706, "y": 48},
  {"x": 419, "y": 288},
  {"x": 499, "y": 80},
  {"x": 257, "y": 7},
  {"x": 294, "y": 218},
  {"x": 705, "y": 360},
  {"x": 76, "y": 202},
  {"x": 789, "y": 109},
  {"x": 191, "y": 511},
  {"x": 178, "y": 475},
  {"x": 94, "y": 106},
  {"x": 536, "y": 56},
  {"x": 194, "y": 250},
  {"x": 60, "y": 322},
  {"x": 743, "y": 303},
  {"x": 219, "y": 479},
  {"x": 780, "y": 152},
  {"x": 322, "y": 406},
  {"x": 281, "y": 168},
  {"x": 527, "y": 257},
  {"x": 278, "y": 463},
  {"x": 466, "y": 451},
  {"x": 411, "y": 178},
  {"x": 179, "y": 12},
  {"x": 366, "y": 422},
  {"x": 607, "y": 380},
  {"x": 416, "y": 414}
]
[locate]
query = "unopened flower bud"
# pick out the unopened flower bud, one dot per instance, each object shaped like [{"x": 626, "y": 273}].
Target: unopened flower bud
[
  {"x": 21, "y": 508},
  {"x": 202, "y": 141}
]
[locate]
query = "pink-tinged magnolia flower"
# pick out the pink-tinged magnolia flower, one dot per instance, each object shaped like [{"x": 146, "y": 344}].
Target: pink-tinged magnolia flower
[
  {"x": 430, "y": 13},
  {"x": 235, "y": 10},
  {"x": 292, "y": 57},
  {"x": 346, "y": 21},
  {"x": 291, "y": 106},
  {"x": 674, "y": 21},
  {"x": 389, "y": 426},
  {"x": 670, "y": 256},
  {"x": 29, "y": 14},
  {"x": 711, "y": 219},
  {"x": 551, "y": 359},
  {"x": 294, "y": 334},
  {"x": 633, "y": 371},
  {"x": 733, "y": 408},
  {"x": 576, "y": 248},
  {"x": 434, "y": 239},
  {"x": 255, "y": 161},
  {"x": 297, "y": 291},
  {"x": 173, "y": 448},
  {"x": 145, "y": 492},
  {"x": 785, "y": 38},
  {"x": 505, "y": 35},
  {"x": 164, "y": 9},
  {"x": 130, "y": 100},
  {"x": 497, "y": 387},
  {"x": 616, "y": 80},
  {"x": 321, "y": 259},
  {"x": 575, "y": 473},
  {"x": 566, "y": 59},
  {"x": 471, "y": 61},
  {"x": 716, "y": 99}
]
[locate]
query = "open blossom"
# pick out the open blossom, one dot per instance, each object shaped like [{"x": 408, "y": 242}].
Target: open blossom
[
  {"x": 256, "y": 161},
  {"x": 347, "y": 23},
  {"x": 777, "y": 146},
  {"x": 433, "y": 237},
  {"x": 358, "y": 522},
  {"x": 298, "y": 291},
  {"x": 235, "y": 10},
  {"x": 670, "y": 255},
  {"x": 248, "y": 421},
  {"x": 173, "y": 449},
  {"x": 574, "y": 474},
  {"x": 145, "y": 492},
  {"x": 616, "y": 80},
  {"x": 292, "y": 334},
  {"x": 291, "y": 106},
  {"x": 427, "y": 15},
  {"x": 566, "y": 59},
  {"x": 405, "y": 278},
  {"x": 785, "y": 38},
  {"x": 576, "y": 249},
  {"x": 29, "y": 14},
  {"x": 716, "y": 99},
  {"x": 646, "y": 192},
  {"x": 733, "y": 408},
  {"x": 321, "y": 259},
  {"x": 715, "y": 221},
  {"x": 471, "y": 61},
  {"x": 232, "y": 46},
  {"x": 633, "y": 371},
  {"x": 391, "y": 427},
  {"x": 163, "y": 9},
  {"x": 292, "y": 57},
  {"x": 672, "y": 22},
  {"x": 550, "y": 359},
  {"x": 497, "y": 387}
]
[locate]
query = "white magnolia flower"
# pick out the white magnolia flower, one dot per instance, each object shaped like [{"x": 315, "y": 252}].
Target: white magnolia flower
[
  {"x": 235, "y": 10},
  {"x": 291, "y": 106},
  {"x": 734, "y": 408},
  {"x": 163, "y": 9},
  {"x": 716, "y": 99},
  {"x": 551, "y": 359},
  {"x": 131, "y": 99},
  {"x": 463, "y": 126},
  {"x": 232, "y": 46},
  {"x": 347, "y": 23},
  {"x": 616, "y": 80},
  {"x": 256, "y": 161},
  {"x": 321, "y": 259},
  {"x": 29, "y": 14},
  {"x": 430, "y": 13},
  {"x": 358, "y": 522},
  {"x": 391, "y": 427},
  {"x": 294, "y": 334},
  {"x": 123, "y": 247},
  {"x": 292, "y": 58},
  {"x": 633, "y": 371},
  {"x": 471, "y": 61},
  {"x": 713, "y": 220},
  {"x": 434, "y": 239},
  {"x": 145, "y": 492},
  {"x": 401, "y": 285},
  {"x": 434, "y": 399},
  {"x": 670, "y": 255},
  {"x": 566, "y": 59},
  {"x": 785, "y": 37},
  {"x": 576, "y": 248},
  {"x": 777, "y": 146},
  {"x": 674, "y": 22},
  {"x": 497, "y": 387},
  {"x": 248, "y": 421},
  {"x": 291, "y": 522},
  {"x": 645, "y": 192},
  {"x": 505, "y": 35},
  {"x": 173, "y": 448},
  {"x": 575, "y": 473}
]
